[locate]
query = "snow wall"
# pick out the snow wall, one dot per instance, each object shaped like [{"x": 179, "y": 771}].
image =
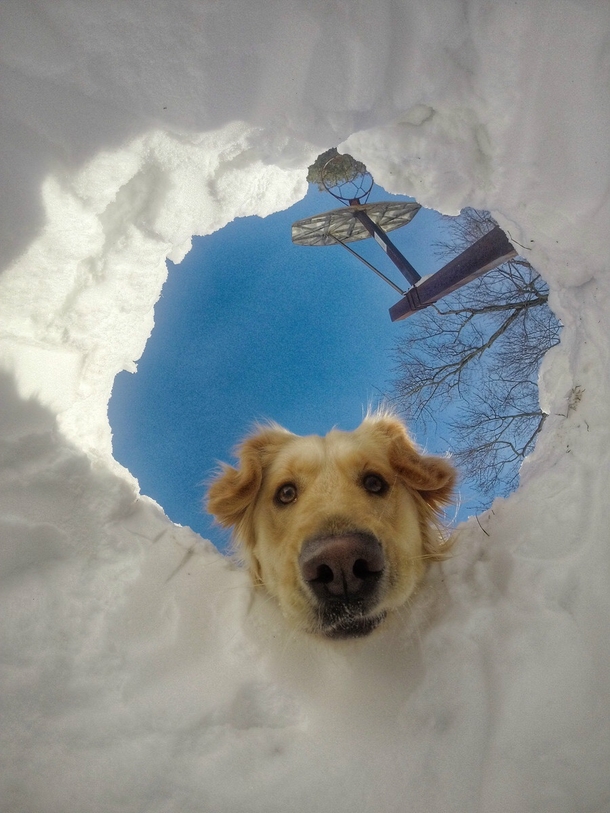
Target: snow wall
[{"x": 138, "y": 672}]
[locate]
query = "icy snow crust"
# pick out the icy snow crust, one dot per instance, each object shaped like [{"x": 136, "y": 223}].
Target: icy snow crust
[{"x": 138, "y": 671}]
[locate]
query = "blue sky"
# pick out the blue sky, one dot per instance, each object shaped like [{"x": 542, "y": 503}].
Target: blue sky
[{"x": 251, "y": 327}]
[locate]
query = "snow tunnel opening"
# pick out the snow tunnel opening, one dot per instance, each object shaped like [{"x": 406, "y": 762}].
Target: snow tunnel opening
[{"x": 250, "y": 327}]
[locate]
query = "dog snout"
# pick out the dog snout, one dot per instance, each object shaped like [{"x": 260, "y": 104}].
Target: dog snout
[{"x": 347, "y": 567}]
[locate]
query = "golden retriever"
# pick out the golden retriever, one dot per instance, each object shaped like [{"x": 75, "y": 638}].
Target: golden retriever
[{"x": 339, "y": 529}]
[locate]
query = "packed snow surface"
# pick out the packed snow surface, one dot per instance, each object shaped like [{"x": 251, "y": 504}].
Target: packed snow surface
[{"x": 138, "y": 671}]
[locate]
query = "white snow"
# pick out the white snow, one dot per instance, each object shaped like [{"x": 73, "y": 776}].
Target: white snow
[{"x": 138, "y": 672}]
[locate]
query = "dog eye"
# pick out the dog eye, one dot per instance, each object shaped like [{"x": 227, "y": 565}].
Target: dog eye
[
  {"x": 286, "y": 494},
  {"x": 374, "y": 484}
]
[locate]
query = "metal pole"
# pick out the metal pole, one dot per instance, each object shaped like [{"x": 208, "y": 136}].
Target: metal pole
[
  {"x": 403, "y": 265},
  {"x": 368, "y": 265}
]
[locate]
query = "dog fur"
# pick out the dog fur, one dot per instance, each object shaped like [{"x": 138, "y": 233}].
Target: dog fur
[{"x": 368, "y": 493}]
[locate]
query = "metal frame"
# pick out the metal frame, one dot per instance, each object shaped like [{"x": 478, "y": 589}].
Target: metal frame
[{"x": 487, "y": 253}]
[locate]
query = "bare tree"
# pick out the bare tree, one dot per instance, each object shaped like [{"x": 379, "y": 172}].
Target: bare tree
[{"x": 471, "y": 362}]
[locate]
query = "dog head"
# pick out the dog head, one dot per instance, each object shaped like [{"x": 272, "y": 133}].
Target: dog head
[{"x": 339, "y": 529}]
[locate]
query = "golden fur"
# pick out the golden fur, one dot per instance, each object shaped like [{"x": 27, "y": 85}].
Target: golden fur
[{"x": 327, "y": 474}]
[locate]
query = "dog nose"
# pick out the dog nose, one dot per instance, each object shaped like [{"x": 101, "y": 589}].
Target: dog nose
[{"x": 346, "y": 567}]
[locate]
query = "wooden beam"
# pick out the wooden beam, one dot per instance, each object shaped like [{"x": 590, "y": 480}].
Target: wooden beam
[{"x": 487, "y": 253}]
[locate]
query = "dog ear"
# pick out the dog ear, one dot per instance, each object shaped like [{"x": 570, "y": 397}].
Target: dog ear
[
  {"x": 432, "y": 477},
  {"x": 234, "y": 490}
]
